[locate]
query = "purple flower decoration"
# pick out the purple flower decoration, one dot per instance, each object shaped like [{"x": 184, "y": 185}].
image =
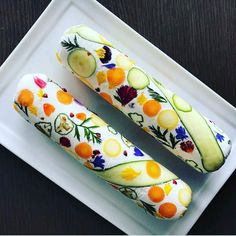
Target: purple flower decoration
[
  {"x": 181, "y": 133},
  {"x": 137, "y": 152},
  {"x": 98, "y": 162},
  {"x": 125, "y": 94},
  {"x": 220, "y": 137},
  {"x": 104, "y": 54}
]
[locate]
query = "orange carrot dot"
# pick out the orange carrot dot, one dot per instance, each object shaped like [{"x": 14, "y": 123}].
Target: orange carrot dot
[
  {"x": 151, "y": 108},
  {"x": 156, "y": 194},
  {"x": 106, "y": 96},
  {"x": 81, "y": 116},
  {"x": 48, "y": 109},
  {"x": 167, "y": 209},
  {"x": 84, "y": 150},
  {"x": 26, "y": 98},
  {"x": 64, "y": 97},
  {"x": 115, "y": 77},
  {"x": 153, "y": 169}
]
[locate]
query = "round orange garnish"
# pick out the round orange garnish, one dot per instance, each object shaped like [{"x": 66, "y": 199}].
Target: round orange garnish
[
  {"x": 167, "y": 209},
  {"x": 26, "y": 98},
  {"x": 151, "y": 108},
  {"x": 156, "y": 194},
  {"x": 81, "y": 116},
  {"x": 115, "y": 77},
  {"x": 84, "y": 150}
]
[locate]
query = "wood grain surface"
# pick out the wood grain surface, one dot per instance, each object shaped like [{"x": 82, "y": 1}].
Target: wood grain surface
[{"x": 199, "y": 34}]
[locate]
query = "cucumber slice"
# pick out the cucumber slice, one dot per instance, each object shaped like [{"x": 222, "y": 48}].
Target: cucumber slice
[
  {"x": 180, "y": 104},
  {"x": 137, "y": 78},
  {"x": 82, "y": 62},
  {"x": 89, "y": 34},
  {"x": 200, "y": 132},
  {"x": 136, "y": 174}
]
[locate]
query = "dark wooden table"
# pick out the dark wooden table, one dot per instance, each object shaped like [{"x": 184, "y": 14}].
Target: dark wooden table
[{"x": 198, "y": 34}]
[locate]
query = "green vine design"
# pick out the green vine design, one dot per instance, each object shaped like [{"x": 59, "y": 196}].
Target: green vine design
[
  {"x": 66, "y": 125},
  {"x": 128, "y": 192},
  {"x": 155, "y": 95},
  {"x": 172, "y": 142},
  {"x": 24, "y": 109},
  {"x": 69, "y": 45},
  {"x": 88, "y": 133}
]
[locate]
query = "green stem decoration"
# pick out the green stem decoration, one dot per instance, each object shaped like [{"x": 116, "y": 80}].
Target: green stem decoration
[
  {"x": 24, "y": 109},
  {"x": 161, "y": 137}
]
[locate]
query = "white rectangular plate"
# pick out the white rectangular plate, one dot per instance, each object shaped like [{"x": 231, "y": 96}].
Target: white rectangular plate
[{"x": 36, "y": 53}]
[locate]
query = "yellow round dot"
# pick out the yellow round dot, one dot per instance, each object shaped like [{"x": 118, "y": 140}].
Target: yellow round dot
[
  {"x": 112, "y": 147},
  {"x": 168, "y": 119}
]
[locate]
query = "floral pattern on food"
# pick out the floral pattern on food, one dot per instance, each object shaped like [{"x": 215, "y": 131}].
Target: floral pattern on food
[
  {"x": 100, "y": 148},
  {"x": 160, "y": 112}
]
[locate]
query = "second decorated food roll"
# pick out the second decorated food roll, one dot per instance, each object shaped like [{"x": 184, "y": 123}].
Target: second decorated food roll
[
  {"x": 100, "y": 148},
  {"x": 159, "y": 111}
]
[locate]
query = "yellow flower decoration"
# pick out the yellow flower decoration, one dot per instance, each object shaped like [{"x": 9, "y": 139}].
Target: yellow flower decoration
[
  {"x": 101, "y": 52},
  {"x": 33, "y": 110},
  {"x": 167, "y": 188},
  {"x": 58, "y": 57},
  {"x": 142, "y": 99},
  {"x": 40, "y": 94},
  {"x": 101, "y": 77},
  {"x": 129, "y": 173}
]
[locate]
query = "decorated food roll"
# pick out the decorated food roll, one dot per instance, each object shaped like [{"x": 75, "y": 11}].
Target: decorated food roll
[
  {"x": 100, "y": 148},
  {"x": 159, "y": 111}
]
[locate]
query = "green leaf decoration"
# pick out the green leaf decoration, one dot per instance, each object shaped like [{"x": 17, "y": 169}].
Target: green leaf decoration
[
  {"x": 128, "y": 192},
  {"x": 77, "y": 134},
  {"x": 69, "y": 45},
  {"x": 44, "y": 127},
  {"x": 155, "y": 95},
  {"x": 161, "y": 137},
  {"x": 137, "y": 118},
  {"x": 88, "y": 132},
  {"x": 148, "y": 207},
  {"x": 24, "y": 109},
  {"x": 63, "y": 125},
  {"x": 173, "y": 140},
  {"x": 118, "y": 99}
]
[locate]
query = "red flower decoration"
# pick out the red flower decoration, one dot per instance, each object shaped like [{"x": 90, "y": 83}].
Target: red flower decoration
[
  {"x": 41, "y": 83},
  {"x": 187, "y": 146},
  {"x": 65, "y": 142}
]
